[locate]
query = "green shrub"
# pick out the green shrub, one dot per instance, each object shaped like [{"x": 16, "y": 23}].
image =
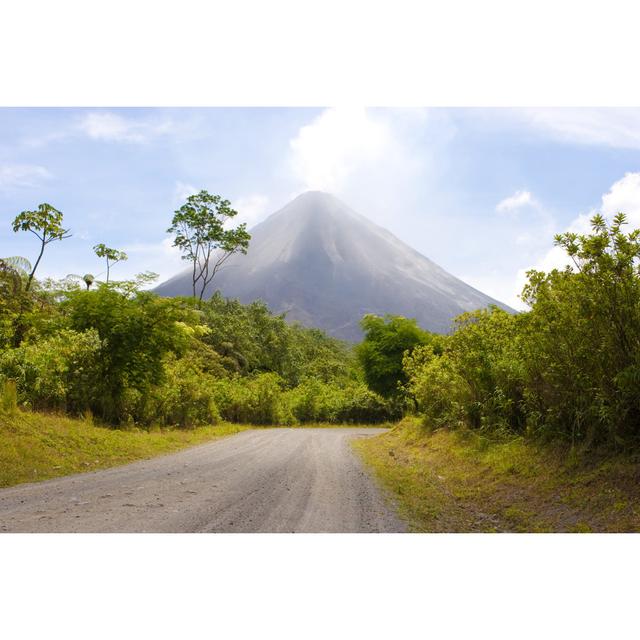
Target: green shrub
[
  {"x": 569, "y": 368},
  {"x": 186, "y": 397},
  {"x": 337, "y": 402},
  {"x": 256, "y": 399},
  {"x": 59, "y": 372},
  {"x": 440, "y": 394}
]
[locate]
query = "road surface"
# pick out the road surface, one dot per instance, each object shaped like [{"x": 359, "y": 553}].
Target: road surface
[{"x": 264, "y": 480}]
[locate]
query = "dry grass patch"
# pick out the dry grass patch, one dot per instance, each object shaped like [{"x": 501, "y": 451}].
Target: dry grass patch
[{"x": 453, "y": 481}]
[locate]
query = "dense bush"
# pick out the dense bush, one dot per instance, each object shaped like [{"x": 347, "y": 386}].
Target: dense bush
[
  {"x": 128, "y": 356},
  {"x": 255, "y": 399},
  {"x": 346, "y": 401},
  {"x": 569, "y": 368},
  {"x": 185, "y": 398},
  {"x": 59, "y": 372},
  {"x": 381, "y": 353},
  {"x": 136, "y": 332}
]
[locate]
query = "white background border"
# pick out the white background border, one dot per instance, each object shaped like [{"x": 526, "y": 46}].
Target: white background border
[{"x": 318, "y": 53}]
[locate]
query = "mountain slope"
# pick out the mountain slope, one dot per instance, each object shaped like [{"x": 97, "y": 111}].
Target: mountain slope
[{"x": 326, "y": 266}]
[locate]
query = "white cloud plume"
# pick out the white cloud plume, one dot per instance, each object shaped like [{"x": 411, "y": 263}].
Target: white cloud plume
[
  {"x": 373, "y": 159},
  {"x": 22, "y": 175},
  {"x": 104, "y": 125},
  {"x": 337, "y": 143}
]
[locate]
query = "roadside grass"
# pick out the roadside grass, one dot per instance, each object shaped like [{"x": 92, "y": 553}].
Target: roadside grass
[
  {"x": 37, "y": 446},
  {"x": 460, "y": 481}
]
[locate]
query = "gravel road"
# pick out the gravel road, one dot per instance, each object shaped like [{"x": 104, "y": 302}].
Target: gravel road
[{"x": 264, "y": 480}]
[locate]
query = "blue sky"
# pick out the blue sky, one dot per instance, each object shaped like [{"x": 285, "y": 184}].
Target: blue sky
[{"x": 480, "y": 191}]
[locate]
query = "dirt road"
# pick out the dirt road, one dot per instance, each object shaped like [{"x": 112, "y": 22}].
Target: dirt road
[{"x": 269, "y": 480}]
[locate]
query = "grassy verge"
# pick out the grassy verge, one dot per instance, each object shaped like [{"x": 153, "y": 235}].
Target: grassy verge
[
  {"x": 36, "y": 446},
  {"x": 461, "y": 482}
]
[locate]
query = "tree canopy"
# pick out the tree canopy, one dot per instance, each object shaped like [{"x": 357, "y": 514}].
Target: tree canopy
[
  {"x": 385, "y": 343},
  {"x": 198, "y": 227}
]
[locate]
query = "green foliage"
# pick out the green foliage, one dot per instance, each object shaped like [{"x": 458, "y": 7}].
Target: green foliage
[
  {"x": 59, "y": 372},
  {"x": 254, "y": 399},
  {"x": 199, "y": 232},
  {"x": 87, "y": 278},
  {"x": 381, "y": 352},
  {"x": 582, "y": 346},
  {"x": 253, "y": 340},
  {"x": 136, "y": 333},
  {"x": 440, "y": 393},
  {"x": 474, "y": 379},
  {"x": 347, "y": 401},
  {"x": 569, "y": 368},
  {"x": 185, "y": 398},
  {"x": 12, "y": 296}
]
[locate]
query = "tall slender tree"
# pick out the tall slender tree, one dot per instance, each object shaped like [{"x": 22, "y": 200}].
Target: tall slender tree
[
  {"x": 45, "y": 223},
  {"x": 112, "y": 256},
  {"x": 199, "y": 232}
]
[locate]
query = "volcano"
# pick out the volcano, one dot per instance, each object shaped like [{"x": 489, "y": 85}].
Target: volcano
[{"x": 325, "y": 266}]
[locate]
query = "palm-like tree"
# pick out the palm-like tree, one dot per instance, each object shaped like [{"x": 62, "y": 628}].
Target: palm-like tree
[
  {"x": 15, "y": 270},
  {"x": 87, "y": 278}
]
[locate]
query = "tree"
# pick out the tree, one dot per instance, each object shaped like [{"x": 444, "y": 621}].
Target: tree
[
  {"x": 14, "y": 272},
  {"x": 87, "y": 278},
  {"x": 198, "y": 227},
  {"x": 111, "y": 255},
  {"x": 583, "y": 349},
  {"x": 380, "y": 353},
  {"x": 46, "y": 224},
  {"x": 135, "y": 333}
]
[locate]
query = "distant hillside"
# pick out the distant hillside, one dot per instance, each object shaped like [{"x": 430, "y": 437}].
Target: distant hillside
[{"x": 326, "y": 266}]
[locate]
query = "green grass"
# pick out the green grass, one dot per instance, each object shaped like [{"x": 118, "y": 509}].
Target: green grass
[
  {"x": 35, "y": 446},
  {"x": 456, "y": 481}
]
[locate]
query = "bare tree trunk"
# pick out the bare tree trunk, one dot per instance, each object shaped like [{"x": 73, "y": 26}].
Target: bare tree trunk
[{"x": 35, "y": 266}]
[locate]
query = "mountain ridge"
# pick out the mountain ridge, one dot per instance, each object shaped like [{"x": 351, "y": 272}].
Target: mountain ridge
[{"x": 326, "y": 265}]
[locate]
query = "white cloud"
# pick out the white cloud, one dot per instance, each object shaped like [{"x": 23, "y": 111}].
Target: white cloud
[
  {"x": 22, "y": 175},
  {"x": 377, "y": 161},
  {"x": 339, "y": 141},
  {"x": 623, "y": 196},
  {"x": 101, "y": 125},
  {"x": 518, "y": 200},
  {"x": 615, "y": 127}
]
